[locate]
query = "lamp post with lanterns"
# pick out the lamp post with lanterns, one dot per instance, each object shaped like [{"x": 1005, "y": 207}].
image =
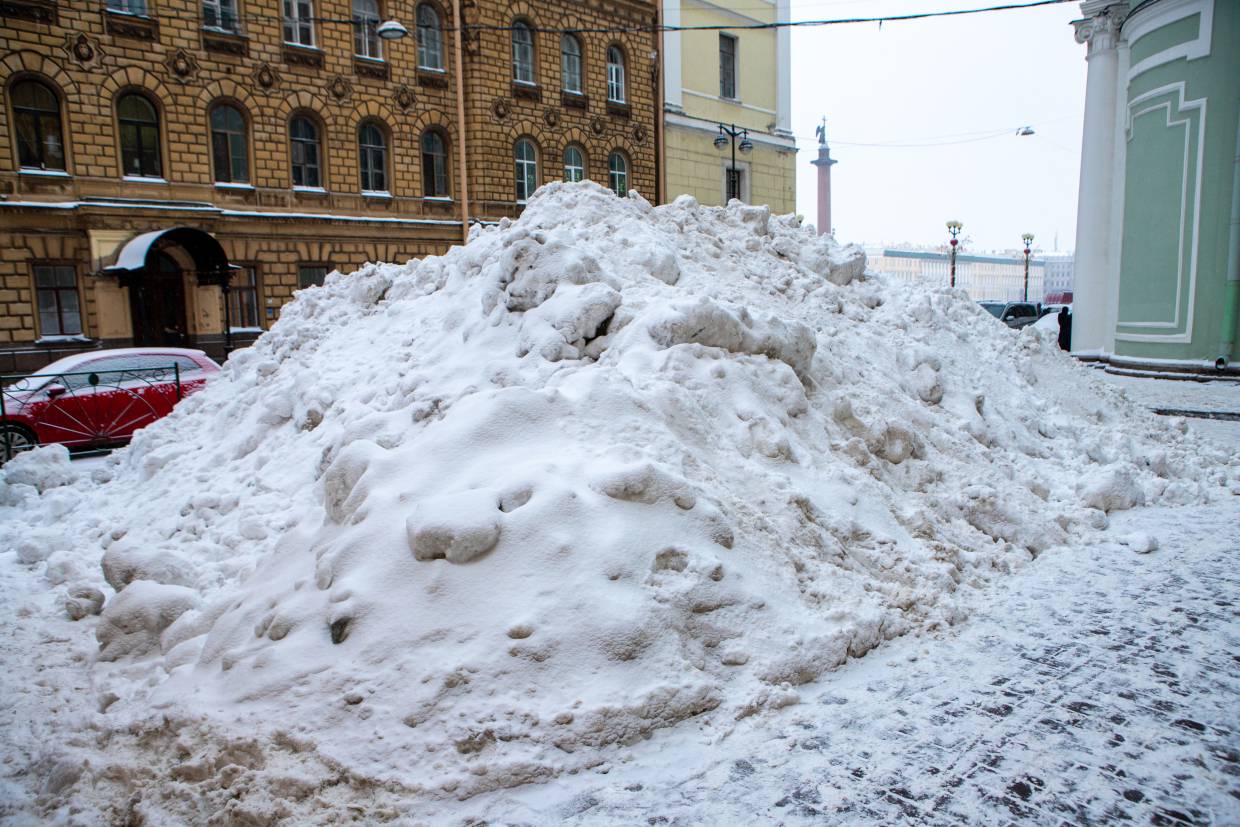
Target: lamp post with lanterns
[
  {"x": 729, "y": 135},
  {"x": 954, "y": 227},
  {"x": 1028, "y": 239}
]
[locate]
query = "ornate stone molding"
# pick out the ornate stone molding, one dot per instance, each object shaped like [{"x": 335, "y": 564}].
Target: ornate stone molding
[
  {"x": 403, "y": 97},
  {"x": 225, "y": 43},
  {"x": 1101, "y": 32},
  {"x": 83, "y": 50},
  {"x": 339, "y": 88},
  {"x": 266, "y": 77},
  {"x": 134, "y": 26},
  {"x": 181, "y": 66},
  {"x": 37, "y": 11}
]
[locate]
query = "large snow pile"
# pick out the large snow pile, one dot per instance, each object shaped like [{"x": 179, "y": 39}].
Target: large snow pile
[{"x": 476, "y": 520}]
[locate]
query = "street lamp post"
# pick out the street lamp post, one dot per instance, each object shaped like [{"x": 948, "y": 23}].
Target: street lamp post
[
  {"x": 1028, "y": 239},
  {"x": 954, "y": 227},
  {"x": 728, "y": 135}
]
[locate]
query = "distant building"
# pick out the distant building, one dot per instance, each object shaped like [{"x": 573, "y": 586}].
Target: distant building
[
  {"x": 1158, "y": 217},
  {"x": 997, "y": 278},
  {"x": 1059, "y": 279},
  {"x": 731, "y": 76}
]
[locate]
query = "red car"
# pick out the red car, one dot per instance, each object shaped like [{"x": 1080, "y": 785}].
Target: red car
[{"x": 98, "y": 399}]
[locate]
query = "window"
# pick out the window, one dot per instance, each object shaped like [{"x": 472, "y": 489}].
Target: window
[
  {"x": 299, "y": 22},
  {"x": 139, "y": 124},
  {"x": 309, "y": 275},
  {"x": 570, "y": 63},
  {"x": 574, "y": 163},
  {"x": 434, "y": 165},
  {"x": 366, "y": 29},
  {"x": 430, "y": 39},
  {"x": 727, "y": 66},
  {"x": 220, "y": 14},
  {"x": 36, "y": 110},
  {"x": 522, "y": 53},
  {"x": 243, "y": 298},
  {"x": 56, "y": 289},
  {"x": 735, "y": 182},
  {"x": 527, "y": 169},
  {"x": 372, "y": 150},
  {"x": 304, "y": 142},
  {"x": 618, "y": 174},
  {"x": 128, "y": 6},
  {"x": 615, "y": 74},
  {"x": 228, "y": 145}
]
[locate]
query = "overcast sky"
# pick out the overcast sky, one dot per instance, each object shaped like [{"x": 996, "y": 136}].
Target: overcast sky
[{"x": 917, "y": 81}]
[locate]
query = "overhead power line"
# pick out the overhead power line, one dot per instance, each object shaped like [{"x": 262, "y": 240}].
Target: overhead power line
[{"x": 651, "y": 28}]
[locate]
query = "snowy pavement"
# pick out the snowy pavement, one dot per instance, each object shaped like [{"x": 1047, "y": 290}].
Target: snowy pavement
[
  {"x": 1091, "y": 687},
  {"x": 1219, "y": 397}
]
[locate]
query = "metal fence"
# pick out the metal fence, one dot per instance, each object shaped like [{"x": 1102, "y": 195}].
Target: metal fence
[{"x": 88, "y": 410}]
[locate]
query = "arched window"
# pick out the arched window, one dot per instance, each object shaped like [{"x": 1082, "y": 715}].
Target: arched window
[
  {"x": 36, "y": 111},
  {"x": 139, "y": 124},
  {"x": 615, "y": 74},
  {"x": 574, "y": 163},
  {"x": 366, "y": 29},
  {"x": 434, "y": 165},
  {"x": 570, "y": 63},
  {"x": 522, "y": 53},
  {"x": 303, "y": 135},
  {"x": 372, "y": 152},
  {"x": 526, "y": 155},
  {"x": 430, "y": 38},
  {"x": 618, "y": 173},
  {"x": 229, "y": 147}
]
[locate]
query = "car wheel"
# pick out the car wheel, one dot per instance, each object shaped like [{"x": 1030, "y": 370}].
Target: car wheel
[{"x": 14, "y": 439}]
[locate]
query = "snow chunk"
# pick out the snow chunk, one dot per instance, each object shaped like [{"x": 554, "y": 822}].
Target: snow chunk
[
  {"x": 458, "y": 527},
  {"x": 132, "y": 621}
]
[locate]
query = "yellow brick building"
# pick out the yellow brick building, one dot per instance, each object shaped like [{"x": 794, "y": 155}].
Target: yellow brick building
[
  {"x": 283, "y": 139},
  {"x": 732, "y": 76}
]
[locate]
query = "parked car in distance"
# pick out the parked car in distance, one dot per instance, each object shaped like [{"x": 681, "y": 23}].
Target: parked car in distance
[
  {"x": 1013, "y": 314},
  {"x": 98, "y": 399}
]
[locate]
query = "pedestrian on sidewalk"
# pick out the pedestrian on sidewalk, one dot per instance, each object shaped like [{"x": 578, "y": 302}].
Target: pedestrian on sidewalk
[{"x": 1065, "y": 329}]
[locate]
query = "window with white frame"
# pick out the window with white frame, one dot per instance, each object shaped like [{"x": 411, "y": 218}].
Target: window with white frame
[
  {"x": 615, "y": 74},
  {"x": 618, "y": 173},
  {"x": 574, "y": 163},
  {"x": 372, "y": 150},
  {"x": 303, "y": 136},
  {"x": 128, "y": 6},
  {"x": 220, "y": 14},
  {"x": 526, "y": 156},
  {"x": 366, "y": 29},
  {"x": 522, "y": 53},
  {"x": 570, "y": 63},
  {"x": 430, "y": 39},
  {"x": 299, "y": 22}
]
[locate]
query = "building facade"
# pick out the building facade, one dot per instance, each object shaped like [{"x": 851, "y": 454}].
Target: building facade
[
  {"x": 734, "y": 77},
  {"x": 984, "y": 278},
  {"x": 153, "y": 151},
  {"x": 1158, "y": 227}
]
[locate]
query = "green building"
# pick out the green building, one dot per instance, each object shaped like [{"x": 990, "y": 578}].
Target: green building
[{"x": 1158, "y": 222}]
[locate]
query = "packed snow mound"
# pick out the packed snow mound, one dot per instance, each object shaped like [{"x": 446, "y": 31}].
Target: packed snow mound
[{"x": 475, "y": 520}]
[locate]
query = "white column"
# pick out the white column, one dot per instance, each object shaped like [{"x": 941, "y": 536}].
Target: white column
[
  {"x": 673, "y": 94},
  {"x": 783, "y": 70},
  {"x": 1095, "y": 252}
]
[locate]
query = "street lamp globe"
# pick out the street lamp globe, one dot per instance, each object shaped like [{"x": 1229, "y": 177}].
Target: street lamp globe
[
  {"x": 1028, "y": 239},
  {"x": 746, "y": 145},
  {"x": 391, "y": 30},
  {"x": 720, "y": 141}
]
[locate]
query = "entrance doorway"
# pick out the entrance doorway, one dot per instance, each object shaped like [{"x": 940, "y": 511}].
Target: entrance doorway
[{"x": 157, "y": 304}]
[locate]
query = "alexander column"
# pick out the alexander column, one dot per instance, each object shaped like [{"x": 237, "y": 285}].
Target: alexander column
[{"x": 824, "y": 162}]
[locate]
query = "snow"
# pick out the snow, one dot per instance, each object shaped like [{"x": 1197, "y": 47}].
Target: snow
[{"x": 493, "y": 518}]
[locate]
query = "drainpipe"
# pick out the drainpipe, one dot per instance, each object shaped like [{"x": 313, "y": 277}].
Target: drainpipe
[
  {"x": 462, "y": 160},
  {"x": 1231, "y": 299},
  {"x": 659, "y": 195}
]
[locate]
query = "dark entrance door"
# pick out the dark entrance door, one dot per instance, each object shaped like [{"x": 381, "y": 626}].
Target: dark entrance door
[{"x": 157, "y": 303}]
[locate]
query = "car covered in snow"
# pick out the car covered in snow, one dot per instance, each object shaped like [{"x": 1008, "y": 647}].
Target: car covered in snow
[{"x": 98, "y": 399}]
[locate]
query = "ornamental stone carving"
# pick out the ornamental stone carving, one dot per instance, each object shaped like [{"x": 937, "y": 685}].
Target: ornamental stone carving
[
  {"x": 83, "y": 50},
  {"x": 266, "y": 77},
  {"x": 339, "y": 88},
  {"x": 551, "y": 117},
  {"x": 1101, "y": 32},
  {"x": 403, "y": 97},
  {"x": 181, "y": 65},
  {"x": 501, "y": 108}
]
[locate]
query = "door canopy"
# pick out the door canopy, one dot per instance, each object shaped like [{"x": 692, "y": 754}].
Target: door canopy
[{"x": 138, "y": 255}]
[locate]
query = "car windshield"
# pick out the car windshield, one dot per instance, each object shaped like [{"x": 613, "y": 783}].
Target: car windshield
[{"x": 993, "y": 308}]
